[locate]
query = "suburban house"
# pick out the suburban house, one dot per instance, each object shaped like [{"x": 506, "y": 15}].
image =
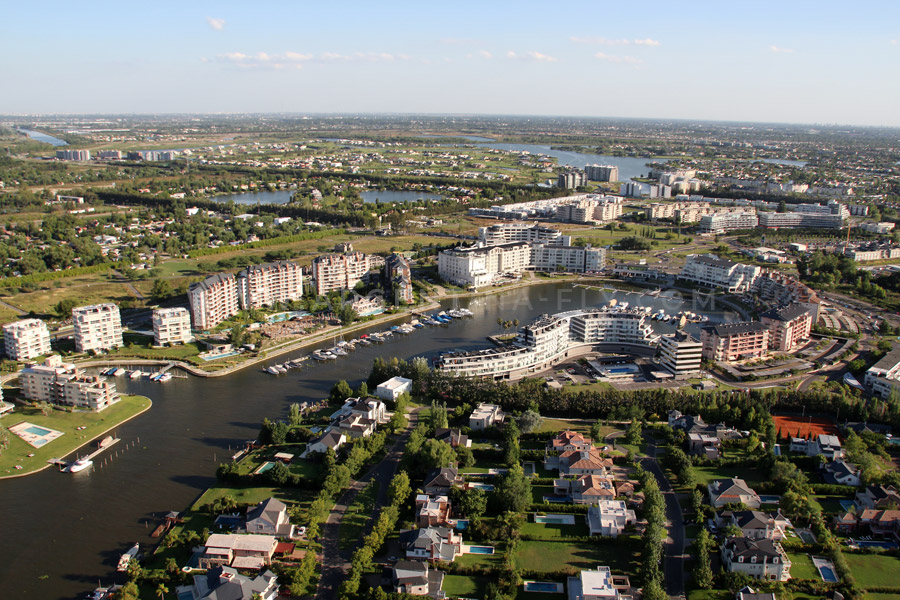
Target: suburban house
[
  {"x": 584, "y": 462},
  {"x": 453, "y": 437},
  {"x": 845, "y": 522},
  {"x": 432, "y": 543},
  {"x": 567, "y": 441},
  {"x": 878, "y": 496},
  {"x": 841, "y": 472},
  {"x": 485, "y": 416},
  {"x": 609, "y": 518},
  {"x": 748, "y": 593},
  {"x": 754, "y": 524},
  {"x": 269, "y": 517},
  {"x": 238, "y": 551},
  {"x": 439, "y": 481},
  {"x": 432, "y": 510},
  {"x": 369, "y": 408},
  {"x": 356, "y": 426},
  {"x": 702, "y": 444},
  {"x": 329, "y": 440},
  {"x": 416, "y": 578},
  {"x": 761, "y": 559},
  {"x": 696, "y": 425},
  {"x": 828, "y": 446},
  {"x": 883, "y": 523},
  {"x": 596, "y": 584},
  {"x": 224, "y": 582},
  {"x": 732, "y": 491},
  {"x": 393, "y": 388},
  {"x": 587, "y": 489}
]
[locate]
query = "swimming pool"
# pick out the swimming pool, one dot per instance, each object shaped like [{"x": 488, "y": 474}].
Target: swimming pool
[
  {"x": 218, "y": 356},
  {"x": 555, "y": 519},
  {"x": 462, "y": 524},
  {"x": 35, "y": 430},
  {"x": 828, "y": 574},
  {"x": 871, "y": 544},
  {"x": 266, "y": 466},
  {"x": 481, "y": 486},
  {"x": 770, "y": 499},
  {"x": 481, "y": 549},
  {"x": 544, "y": 586}
]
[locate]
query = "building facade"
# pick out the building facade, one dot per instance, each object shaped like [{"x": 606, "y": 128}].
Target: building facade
[
  {"x": 789, "y": 326},
  {"x": 63, "y": 383},
  {"x": 728, "y": 221},
  {"x": 601, "y": 172},
  {"x": 213, "y": 300},
  {"x": 26, "y": 339},
  {"x": 171, "y": 326},
  {"x": 735, "y": 341},
  {"x": 399, "y": 276},
  {"x": 505, "y": 233},
  {"x": 709, "y": 270},
  {"x": 97, "y": 327},
  {"x": 266, "y": 284},
  {"x": 680, "y": 354},
  {"x": 335, "y": 272}
]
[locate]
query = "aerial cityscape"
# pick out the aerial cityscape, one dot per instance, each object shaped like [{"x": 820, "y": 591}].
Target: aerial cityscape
[{"x": 469, "y": 302}]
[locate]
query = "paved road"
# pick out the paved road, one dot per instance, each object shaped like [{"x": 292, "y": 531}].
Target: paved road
[
  {"x": 336, "y": 564},
  {"x": 673, "y": 571},
  {"x": 15, "y": 309}
]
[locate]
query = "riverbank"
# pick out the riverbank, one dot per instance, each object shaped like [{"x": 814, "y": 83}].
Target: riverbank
[{"x": 96, "y": 425}]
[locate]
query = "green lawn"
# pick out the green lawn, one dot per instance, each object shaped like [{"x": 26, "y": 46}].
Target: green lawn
[
  {"x": 357, "y": 516},
  {"x": 481, "y": 560},
  {"x": 559, "y": 425},
  {"x": 620, "y": 556},
  {"x": 457, "y": 586},
  {"x": 706, "y": 474},
  {"x": 802, "y": 567},
  {"x": 252, "y": 495},
  {"x": 872, "y": 570},
  {"x": 539, "y": 491},
  {"x": 709, "y": 595},
  {"x": 95, "y": 422},
  {"x": 552, "y": 531}
]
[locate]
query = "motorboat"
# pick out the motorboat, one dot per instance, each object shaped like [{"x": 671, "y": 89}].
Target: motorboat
[
  {"x": 126, "y": 557},
  {"x": 79, "y": 465}
]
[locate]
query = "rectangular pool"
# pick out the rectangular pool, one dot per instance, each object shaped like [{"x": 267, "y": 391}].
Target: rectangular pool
[
  {"x": 481, "y": 486},
  {"x": 266, "y": 466},
  {"x": 35, "y": 430},
  {"x": 770, "y": 499},
  {"x": 481, "y": 549},
  {"x": 550, "y": 587},
  {"x": 555, "y": 519},
  {"x": 872, "y": 544}
]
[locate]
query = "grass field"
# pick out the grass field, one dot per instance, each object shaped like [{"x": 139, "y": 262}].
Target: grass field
[
  {"x": 802, "y": 567},
  {"x": 358, "y": 514},
  {"x": 706, "y": 474},
  {"x": 620, "y": 556},
  {"x": 95, "y": 424},
  {"x": 88, "y": 289},
  {"x": 252, "y": 495},
  {"x": 873, "y": 570},
  {"x": 552, "y": 531},
  {"x": 460, "y": 586}
]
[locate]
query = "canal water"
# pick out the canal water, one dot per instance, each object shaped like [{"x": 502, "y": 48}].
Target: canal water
[
  {"x": 64, "y": 532},
  {"x": 284, "y": 196},
  {"x": 43, "y": 137}
]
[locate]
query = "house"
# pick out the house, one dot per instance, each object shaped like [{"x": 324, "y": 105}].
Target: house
[
  {"x": 416, "y": 578},
  {"x": 269, "y": 517},
  {"x": 884, "y": 523},
  {"x": 369, "y": 408},
  {"x": 845, "y": 522},
  {"x": 761, "y": 559},
  {"x": 239, "y": 551},
  {"x": 568, "y": 441},
  {"x": 329, "y": 440},
  {"x": 702, "y": 444},
  {"x": 356, "y": 426},
  {"x": 593, "y": 585},
  {"x": 224, "y": 582},
  {"x": 485, "y": 416},
  {"x": 609, "y": 518},
  {"x": 393, "y": 388},
  {"x": 432, "y": 510},
  {"x": 732, "y": 491},
  {"x": 439, "y": 481},
  {"x": 757, "y": 525},
  {"x": 432, "y": 543},
  {"x": 587, "y": 489},
  {"x": 841, "y": 472},
  {"x": 878, "y": 496},
  {"x": 748, "y": 593},
  {"x": 453, "y": 437},
  {"x": 584, "y": 462},
  {"x": 828, "y": 446}
]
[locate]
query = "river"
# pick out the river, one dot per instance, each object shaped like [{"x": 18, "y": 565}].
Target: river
[
  {"x": 43, "y": 137},
  {"x": 62, "y": 533}
]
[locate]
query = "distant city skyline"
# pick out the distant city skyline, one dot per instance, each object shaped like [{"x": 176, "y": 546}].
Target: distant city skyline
[{"x": 789, "y": 62}]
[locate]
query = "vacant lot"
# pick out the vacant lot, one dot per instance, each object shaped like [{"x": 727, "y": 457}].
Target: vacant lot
[
  {"x": 873, "y": 570},
  {"x": 620, "y": 555}
]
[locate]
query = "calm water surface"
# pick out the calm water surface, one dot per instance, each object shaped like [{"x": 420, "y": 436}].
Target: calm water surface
[{"x": 62, "y": 532}]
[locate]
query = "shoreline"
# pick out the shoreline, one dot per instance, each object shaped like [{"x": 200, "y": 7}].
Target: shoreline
[{"x": 102, "y": 433}]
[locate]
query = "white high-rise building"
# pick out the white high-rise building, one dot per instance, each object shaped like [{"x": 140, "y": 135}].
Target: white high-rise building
[
  {"x": 711, "y": 271},
  {"x": 264, "y": 285},
  {"x": 97, "y": 327},
  {"x": 334, "y": 272},
  {"x": 505, "y": 233},
  {"x": 26, "y": 339},
  {"x": 602, "y": 172},
  {"x": 171, "y": 326},
  {"x": 681, "y": 354},
  {"x": 213, "y": 300},
  {"x": 62, "y": 383}
]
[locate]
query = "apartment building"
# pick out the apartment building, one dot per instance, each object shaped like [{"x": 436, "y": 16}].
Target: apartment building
[
  {"x": 789, "y": 326},
  {"x": 334, "y": 272},
  {"x": 63, "y": 383},
  {"x": 571, "y": 179},
  {"x": 600, "y": 209},
  {"x": 266, "y": 284},
  {"x": 711, "y": 271},
  {"x": 728, "y": 221},
  {"x": 213, "y": 300},
  {"x": 608, "y": 327},
  {"x": 506, "y": 233},
  {"x": 680, "y": 354},
  {"x": 80, "y": 155},
  {"x": 601, "y": 172},
  {"x": 97, "y": 327},
  {"x": 884, "y": 376},
  {"x": 398, "y": 274},
  {"x": 481, "y": 265},
  {"x": 574, "y": 259},
  {"x": 26, "y": 339},
  {"x": 171, "y": 326},
  {"x": 735, "y": 341},
  {"x": 801, "y": 220}
]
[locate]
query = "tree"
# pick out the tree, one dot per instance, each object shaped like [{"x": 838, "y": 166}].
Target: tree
[
  {"x": 703, "y": 575},
  {"x": 295, "y": 416},
  {"x": 513, "y": 491},
  {"x": 279, "y": 474},
  {"x": 64, "y": 307},
  {"x": 341, "y": 391},
  {"x": 363, "y": 390},
  {"x": 529, "y": 420},
  {"x": 171, "y": 566},
  {"x": 399, "y": 489},
  {"x": 653, "y": 590},
  {"x": 633, "y": 433},
  {"x": 161, "y": 289},
  {"x": 436, "y": 454},
  {"x": 236, "y": 335},
  {"x": 161, "y": 591},
  {"x": 464, "y": 456},
  {"x": 45, "y": 407},
  {"x": 511, "y": 436},
  {"x": 472, "y": 502},
  {"x": 129, "y": 591}
]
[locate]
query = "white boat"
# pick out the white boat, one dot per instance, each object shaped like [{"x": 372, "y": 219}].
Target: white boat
[
  {"x": 79, "y": 465},
  {"x": 126, "y": 558},
  {"x": 119, "y": 372},
  {"x": 135, "y": 375}
]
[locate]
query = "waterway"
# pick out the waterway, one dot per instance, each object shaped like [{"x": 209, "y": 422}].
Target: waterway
[
  {"x": 64, "y": 532},
  {"x": 43, "y": 137},
  {"x": 284, "y": 196}
]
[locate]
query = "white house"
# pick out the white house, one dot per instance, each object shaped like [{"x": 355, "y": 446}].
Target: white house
[
  {"x": 761, "y": 559},
  {"x": 269, "y": 517},
  {"x": 732, "y": 491},
  {"x": 393, "y": 388},
  {"x": 328, "y": 440},
  {"x": 609, "y": 518},
  {"x": 593, "y": 585},
  {"x": 485, "y": 416}
]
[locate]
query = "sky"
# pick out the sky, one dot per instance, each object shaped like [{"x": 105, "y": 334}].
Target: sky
[{"x": 790, "y": 61}]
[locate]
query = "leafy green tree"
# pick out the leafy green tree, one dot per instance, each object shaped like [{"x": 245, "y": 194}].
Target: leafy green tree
[
  {"x": 279, "y": 474},
  {"x": 341, "y": 391},
  {"x": 529, "y": 420},
  {"x": 295, "y": 415},
  {"x": 399, "y": 489},
  {"x": 161, "y": 289},
  {"x": 633, "y": 433},
  {"x": 161, "y": 591},
  {"x": 64, "y": 307},
  {"x": 472, "y": 502},
  {"x": 513, "y": 491}
]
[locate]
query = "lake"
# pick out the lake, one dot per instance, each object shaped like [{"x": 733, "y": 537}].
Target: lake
[
  {"x": 43, "y": 137},
  {"x": 64, "y": 532},
  {"x": 284, "y": 196}
]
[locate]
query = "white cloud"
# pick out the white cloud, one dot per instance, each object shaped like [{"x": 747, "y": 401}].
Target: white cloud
[
  {"x": 601, "y": 41},
  {"x": 893, "y": 42},
  {"x": 612, "y": 58},
  {"x": 296, "y": 60},
  {"x": 779, "y": 50},
  {"x": 217, "y": 24},
  {"x": 485, "y": 54},
  {"x": 531, "y": 56}
]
